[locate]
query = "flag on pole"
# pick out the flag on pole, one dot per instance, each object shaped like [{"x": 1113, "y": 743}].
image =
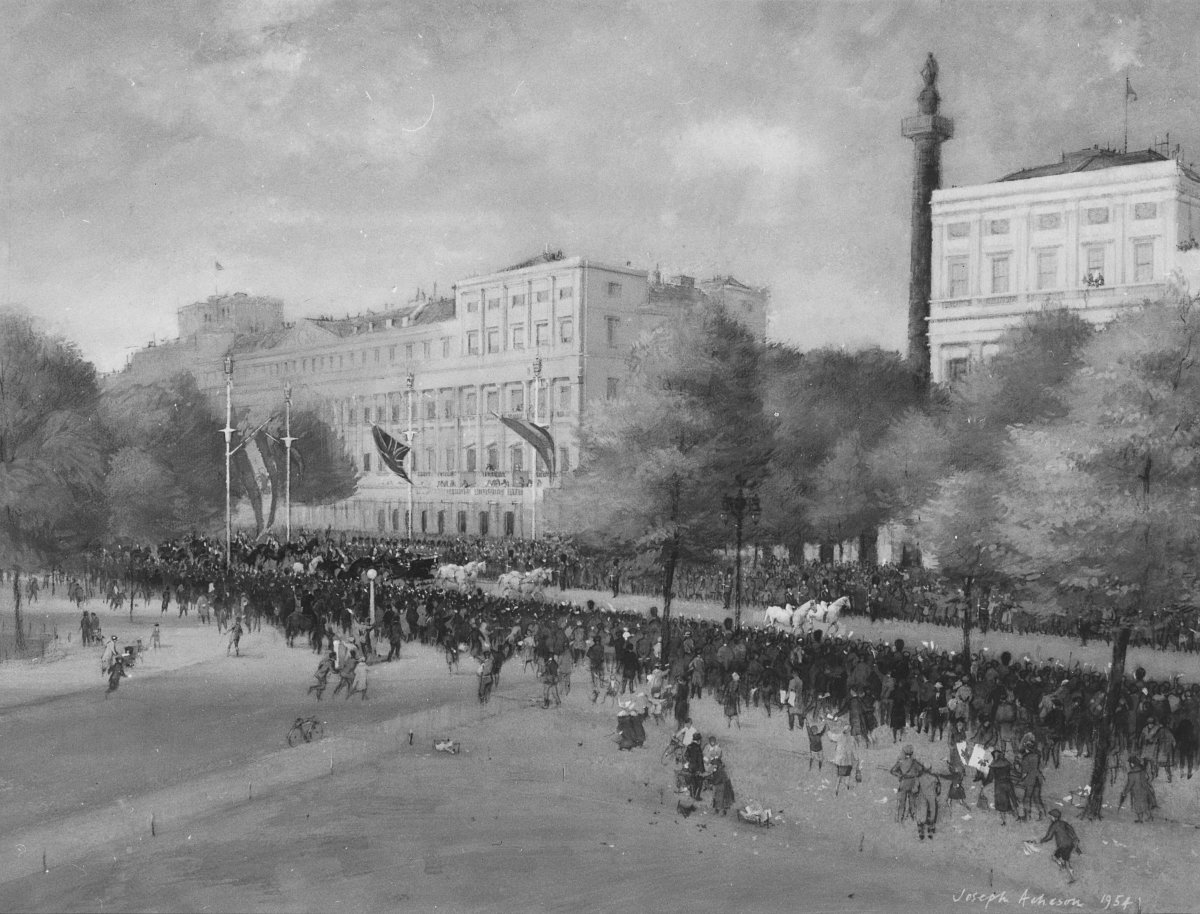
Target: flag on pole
[
  {"x": 217, "y": 265},
  {"x": 537, "y": 435},
  {"x": 1130, "y": 95},
  {"x": 391, "y": 452}
]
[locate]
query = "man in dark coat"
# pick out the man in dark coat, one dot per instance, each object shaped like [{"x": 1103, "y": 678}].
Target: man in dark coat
[{"x": 693, "y": 761}]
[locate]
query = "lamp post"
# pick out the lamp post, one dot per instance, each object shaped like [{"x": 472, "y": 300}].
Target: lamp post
[
  {"x": 287, "y": 446},
  {"x": 372, "y": 574},
  {"x": 227, "y": 431},
  {"x": 408, "y": 383},
  {"x": 537, "y": 383},
  {"x": 738, "y": 507}
]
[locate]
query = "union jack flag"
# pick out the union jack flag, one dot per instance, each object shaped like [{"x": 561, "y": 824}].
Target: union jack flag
[{"x": 391, "y": 452}]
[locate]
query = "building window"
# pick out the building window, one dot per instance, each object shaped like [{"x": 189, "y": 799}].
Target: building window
[
  {"x": 472, "y": 303},
  {"x": 430, "y": 407},
  {"x": 395, "y": 412},
  {"x": 998, "y": 227},
  {"x": 424, "y": 521},
  {"x": 1143, "y": 261},
  {"x": 472, "y": 342},
  {"x": 471, "y": 462},
  {"x": 612, "y": 389},
  {"x": 493, "y": 459},
  {"x": 449, "y": 460},
  {"x": 493, "y": 340},
  {"x": 1094, "y": 271},
  {"x": 510, "y": 523},
  {"x": 483, "y": 523},
  {"x": 471, "y": 406},
  {"x": 518, "y": 336},
  {"x": 956, "y": 369},
  {"x": 493, "y": 401},
  {"x": 391, "y": 353},
  {"x": 564, "y": 460},
  {"x": 1097, "y": 215},
  {"x": 412, "y": 462},
  {"x": 366, "y": 463},
  {"x": 614, "y": 289},
  {"x": 566, "y": 331},
  {"x": 1000, "y": 275},
  {"x": 395, "y": 518},
  {"x": 1047, "y": 269},
  {"x": 1049, "y": 221},
  {"x": 518, "y": 300},
  {"x": 445, "y": 347},
  {"x": 448, "y": 408},
  {"x": 516, "y": 400},
  {"x": 564, "y": 398},
  {"x": 541, "y": 334},
  {"x": 1145, "y": 211},
  {"x": 542, "y": 295},
  {"x": 493, "y": 303},
  {"x": 956, "y": 280},
  {"x": 611, "y": 326},
  {"x": 462, "y": 521},
  {"x": 425, "y": 349},
  {"x": 441, "y": 518},
  {"x": 958, "y": 229},
  {"x": 516, "y": 458},
  {"x": 430, "y": 460},
  {"x": 566, "y": 292},
  {"x": 408, "y": 351},
  {"x": 366, "y": 414}
]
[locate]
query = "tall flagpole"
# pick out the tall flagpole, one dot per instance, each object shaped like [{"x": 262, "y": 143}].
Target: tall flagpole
[
  {"x": 409, "y": 381},
  {"x": 228, "y": 432},
  {"x": 537, "y": 383},
  {"x": 287, "y": 444}
]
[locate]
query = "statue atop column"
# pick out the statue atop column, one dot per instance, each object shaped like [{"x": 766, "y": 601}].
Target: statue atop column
[{"x": 927, "y": 101}]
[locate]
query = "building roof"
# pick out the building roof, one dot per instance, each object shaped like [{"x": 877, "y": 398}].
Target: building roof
[
  {"x": 547, "y": 256},
  {"x": 1093, "y": 159}
]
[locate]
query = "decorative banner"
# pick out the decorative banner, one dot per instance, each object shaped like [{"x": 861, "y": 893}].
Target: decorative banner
[
  {"x": 980, "y": 760},
  {"x": 537, "y": 435},
  {"x": 391, "y": 452}
]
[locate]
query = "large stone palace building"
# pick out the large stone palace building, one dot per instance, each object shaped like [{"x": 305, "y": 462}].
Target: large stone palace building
[
  {"x": 1097, "y": 232},
  {"x": 440, "y": 372}
]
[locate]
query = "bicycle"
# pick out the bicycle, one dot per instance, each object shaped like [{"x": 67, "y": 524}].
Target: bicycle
[
  {"x": 673, "y": 753},
  {"x": 305, "y": 730}
]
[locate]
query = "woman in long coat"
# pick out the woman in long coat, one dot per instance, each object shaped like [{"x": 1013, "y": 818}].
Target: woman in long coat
[
  {"x": 1139, "y": 790},
  {"x": 1001, "y": 774}
]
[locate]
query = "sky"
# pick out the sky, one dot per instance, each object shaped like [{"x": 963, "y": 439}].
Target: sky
[{"x": 339, "y": 155}]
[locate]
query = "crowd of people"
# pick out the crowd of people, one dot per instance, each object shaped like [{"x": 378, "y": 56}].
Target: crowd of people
[{"x": 1013, "y": 716}]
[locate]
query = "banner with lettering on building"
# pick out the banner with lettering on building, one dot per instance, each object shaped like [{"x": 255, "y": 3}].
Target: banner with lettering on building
[{"x": 391, "y": 452}]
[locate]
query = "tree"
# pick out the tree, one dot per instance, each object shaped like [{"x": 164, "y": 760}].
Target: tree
[
  {"x": 687, "y": 430},
  {"x": 1104, "y": 500},
  {"x": 166, "y": 473},
  {"x": 939, "y": 472},
  {"x": 51, "y": 448},
  {"x": 818, "y": 398}
]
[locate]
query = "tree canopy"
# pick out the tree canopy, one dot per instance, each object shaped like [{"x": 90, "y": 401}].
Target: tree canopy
[{"x": 51, "y": 447}]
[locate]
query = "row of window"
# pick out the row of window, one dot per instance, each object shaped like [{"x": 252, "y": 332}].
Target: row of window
[
  {"x": 433, "y": 407},
  {"x": 356, "y": 359},
  {"x": 541, "y": 336},
  {"x": 1048, "y": 272},
  {"x": 1094, "y": 215},
  {"x": 495, "y": 298},
  {"x": 515, "y": 464}
]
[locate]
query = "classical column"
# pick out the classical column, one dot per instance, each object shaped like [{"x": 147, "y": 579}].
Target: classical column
[{"x": 928, "y": 130}]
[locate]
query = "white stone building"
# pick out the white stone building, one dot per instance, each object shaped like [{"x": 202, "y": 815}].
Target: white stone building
[{"x": 1097, "y": 232}]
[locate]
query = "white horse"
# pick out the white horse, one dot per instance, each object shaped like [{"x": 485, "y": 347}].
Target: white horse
[
  {"x": 458, "y": 577},
  {"x": 530, "y": 585},
  {"x": 779, "y": 616},
  {"x": 815, "y": 615}
]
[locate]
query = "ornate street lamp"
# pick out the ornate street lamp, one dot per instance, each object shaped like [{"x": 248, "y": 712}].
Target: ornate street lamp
[
  {"x": 287, "y": 445},
  {"x": 372, "y": 574}
]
